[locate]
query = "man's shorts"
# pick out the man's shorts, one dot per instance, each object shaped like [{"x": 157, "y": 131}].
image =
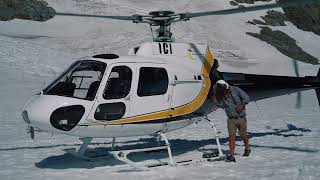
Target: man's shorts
[{"x": 235, "y": 124}]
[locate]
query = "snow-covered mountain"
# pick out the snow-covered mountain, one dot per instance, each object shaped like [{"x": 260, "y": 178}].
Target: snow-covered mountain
[{"x": 284, "y": 139}]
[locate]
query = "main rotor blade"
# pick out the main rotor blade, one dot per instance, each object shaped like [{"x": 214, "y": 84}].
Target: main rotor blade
[
  {"x": 128, "y": 18},
  {"x": 248, "y": 9},
  {"x": 7, "y": 13}
]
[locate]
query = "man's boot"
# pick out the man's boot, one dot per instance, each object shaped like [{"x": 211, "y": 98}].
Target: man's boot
[
  {"x": 231, "y": 158},
  {"x": 246, "y": 152}
]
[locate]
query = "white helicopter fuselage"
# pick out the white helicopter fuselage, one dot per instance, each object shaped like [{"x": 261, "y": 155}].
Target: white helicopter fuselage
[{"x": 158, "y": 87}]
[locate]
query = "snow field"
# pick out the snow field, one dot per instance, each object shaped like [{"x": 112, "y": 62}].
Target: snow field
[{"x": 285, "y": 140}]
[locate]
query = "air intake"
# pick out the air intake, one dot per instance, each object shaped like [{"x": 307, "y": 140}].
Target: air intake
[{"x": 106, "y": 56}]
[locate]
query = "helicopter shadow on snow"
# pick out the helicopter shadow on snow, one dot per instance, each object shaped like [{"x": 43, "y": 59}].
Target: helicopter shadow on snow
[{"x": 179, "y": 147}]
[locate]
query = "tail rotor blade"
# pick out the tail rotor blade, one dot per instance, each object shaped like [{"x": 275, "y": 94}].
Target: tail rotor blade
[
  {"x": 31, "y": 131},
  {"x": 318, "y": 95},
  {"x": 296, "y": 70},
  {"x": 298, "y": 101}
]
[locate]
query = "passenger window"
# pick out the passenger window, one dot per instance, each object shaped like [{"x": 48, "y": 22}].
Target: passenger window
[
  {"x": 152, "y": 81},
  {"x": 110, "y": 111},
  {"x": 119, "y": 83}
]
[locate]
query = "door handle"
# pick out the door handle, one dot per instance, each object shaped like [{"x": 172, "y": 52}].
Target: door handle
[{"x": 168, "y": 99}]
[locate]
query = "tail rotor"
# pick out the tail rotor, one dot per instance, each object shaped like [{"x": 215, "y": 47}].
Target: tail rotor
[{"x": 299, "y": 95}]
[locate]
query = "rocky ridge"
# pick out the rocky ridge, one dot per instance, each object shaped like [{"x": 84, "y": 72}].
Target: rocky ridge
[
  {"x": 36, "y": 10},
  {"x": 284, "y": 44},
  {"x": 305, "y": 17}
]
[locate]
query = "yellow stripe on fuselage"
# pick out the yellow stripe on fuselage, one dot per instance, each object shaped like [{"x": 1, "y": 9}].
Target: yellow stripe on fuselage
[{"x": 175, "y": 112}]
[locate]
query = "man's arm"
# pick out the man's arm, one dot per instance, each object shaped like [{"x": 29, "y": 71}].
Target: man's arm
[
  {"x": 244, "y": 99},
  {"x": 243, "y": 95}
]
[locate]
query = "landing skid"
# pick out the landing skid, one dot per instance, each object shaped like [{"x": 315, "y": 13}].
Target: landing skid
[
  {"x": 121, "y": 155},
  {"x": 188, "y": 162}
]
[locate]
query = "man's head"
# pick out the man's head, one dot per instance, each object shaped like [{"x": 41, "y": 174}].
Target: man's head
[
  {"x": 222, "y": 84},
  {"x": 222, "y": 87}
]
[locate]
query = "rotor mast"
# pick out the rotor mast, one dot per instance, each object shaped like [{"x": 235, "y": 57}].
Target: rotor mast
[
  {"x": 163, "y": 20},
  {"x": 164, "y": 32}
]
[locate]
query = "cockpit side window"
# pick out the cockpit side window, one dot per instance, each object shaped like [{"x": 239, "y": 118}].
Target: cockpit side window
[
  {"x": 119, "y": 83},
  {"x": 81, "y": 81}
]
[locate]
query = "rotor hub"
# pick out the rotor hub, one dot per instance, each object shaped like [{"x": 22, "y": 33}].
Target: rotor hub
[
  {"x": 163, "y": 20},
  {"x": 161, "y": 13}
]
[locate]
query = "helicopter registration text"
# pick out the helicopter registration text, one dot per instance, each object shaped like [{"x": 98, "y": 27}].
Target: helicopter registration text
[{"x": 165, "y": 48}]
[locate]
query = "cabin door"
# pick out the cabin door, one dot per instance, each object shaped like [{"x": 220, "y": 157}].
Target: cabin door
[
  {"x": 152, "y": 95},
  {"x": 113, "y": 99}
]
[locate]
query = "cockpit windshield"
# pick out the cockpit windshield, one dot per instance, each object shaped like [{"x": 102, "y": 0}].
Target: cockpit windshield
[{"x": 81, "y": 80}]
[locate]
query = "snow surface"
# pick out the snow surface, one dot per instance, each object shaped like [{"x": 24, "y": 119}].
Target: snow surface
[{"x": 284, "y": 140}]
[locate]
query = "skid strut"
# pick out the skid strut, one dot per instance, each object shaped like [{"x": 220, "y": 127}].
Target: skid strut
[
  {"x": 113, "y": 144},
  {"x": 83, "y": 148},
  {"x": 171, "y": 162},
  {"x": 213, "y": 126},
  {"x": 122, "y": 155}
]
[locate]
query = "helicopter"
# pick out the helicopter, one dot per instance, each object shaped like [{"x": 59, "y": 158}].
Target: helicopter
[{"x": 158, "y": 87}]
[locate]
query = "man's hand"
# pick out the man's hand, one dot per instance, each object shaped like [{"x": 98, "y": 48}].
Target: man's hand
[{"x": 240, "y": 107}]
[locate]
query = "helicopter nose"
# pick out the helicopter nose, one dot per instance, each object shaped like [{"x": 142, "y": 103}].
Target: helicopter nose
[
  {"x": 35, "y": 114},
  {"x": 53, "y": 113}
]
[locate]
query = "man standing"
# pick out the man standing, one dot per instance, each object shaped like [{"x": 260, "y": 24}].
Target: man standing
[{"x": 233, "y": 100}]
